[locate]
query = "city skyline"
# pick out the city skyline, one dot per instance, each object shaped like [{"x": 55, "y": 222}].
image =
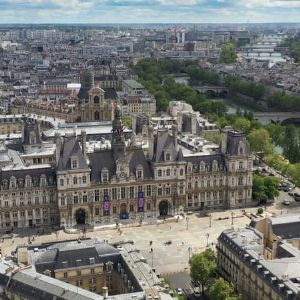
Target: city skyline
[{"x": 151, "y": 11}]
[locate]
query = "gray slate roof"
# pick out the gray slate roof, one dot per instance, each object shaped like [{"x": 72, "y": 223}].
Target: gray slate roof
[
  {"x": 105, "y": 159},
  {"x": 70, "y": 148},
  {"x": 75, "y": 254}
]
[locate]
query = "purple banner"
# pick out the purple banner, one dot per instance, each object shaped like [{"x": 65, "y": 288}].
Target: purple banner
[
  {"x": 106, "y": 205},
  {"x": 141, "y": 201}
]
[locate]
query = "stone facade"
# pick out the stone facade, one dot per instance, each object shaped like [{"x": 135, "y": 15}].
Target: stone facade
[{"x": 127, "y": 181}]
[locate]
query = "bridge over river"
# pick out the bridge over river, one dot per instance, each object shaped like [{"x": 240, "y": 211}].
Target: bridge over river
[{"x": 277, "y": 117}]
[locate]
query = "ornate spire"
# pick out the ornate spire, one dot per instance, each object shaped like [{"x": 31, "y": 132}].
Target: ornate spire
[{"x": 118, "y": 139}]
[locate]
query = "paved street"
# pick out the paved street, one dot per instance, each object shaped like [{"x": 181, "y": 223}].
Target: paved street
[{"x": 187, "y": 236}]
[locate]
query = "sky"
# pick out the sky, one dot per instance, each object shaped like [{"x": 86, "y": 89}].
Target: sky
[{"x": 149, "y": 11}]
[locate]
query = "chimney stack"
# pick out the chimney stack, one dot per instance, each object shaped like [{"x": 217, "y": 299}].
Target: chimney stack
[
  {"x": 58, "y": 143},
  {"x": 83, "y": 143},
  {"x": 150, "y": 142},
  {"x": 175, "y": 136}
]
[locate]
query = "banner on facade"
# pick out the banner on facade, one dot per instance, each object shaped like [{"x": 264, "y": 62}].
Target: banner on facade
[
  {"x": 141, "y": 201},
  {"x": 106, "y": 205}
]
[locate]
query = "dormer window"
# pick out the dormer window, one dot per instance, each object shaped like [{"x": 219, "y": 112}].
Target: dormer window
[
  {"x": 215, "y": 166},
  {"x": 104, "y": 176},
  {"x": 241, "y": 148},
  {"x": 139, "y": 172},
  {"x": 13, "y": 183},
  {"x": 74, "y": 163},
  {"x": 167, "y": 156},
  {"x": 202, "y": 166}
]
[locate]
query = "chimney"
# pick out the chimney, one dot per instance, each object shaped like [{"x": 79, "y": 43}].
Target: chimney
[
  {"x": 224, "y": 139},
  {"x": 105, "y": 292},
  {"x": 175, "y": 136},
  {"x": 83, "y": 143},
  {"x": 58, "y": 143},
  {"x": 150, "y": 142}
]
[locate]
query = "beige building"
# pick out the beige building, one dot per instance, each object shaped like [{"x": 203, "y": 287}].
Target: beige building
[{"x": 262, "y": 260}]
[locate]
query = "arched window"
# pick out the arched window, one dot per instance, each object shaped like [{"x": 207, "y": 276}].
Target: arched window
[
  {"x": 168, "y": 172},
  {"x": 181, "y": 172},
  {"x": 74, "y": 180},
  {"x": 96, "y": 100}
]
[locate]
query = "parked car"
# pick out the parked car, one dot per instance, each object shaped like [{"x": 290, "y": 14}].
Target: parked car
[
  {"x": 286, "y": 202},
  {"x": 296, "y": 197},
  {"x": 179, "y": 291}
]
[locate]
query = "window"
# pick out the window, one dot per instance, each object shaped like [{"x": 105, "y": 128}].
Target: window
[
  {"x": 75, "y": 199},
  {"x": 131, "y": 208},
  {"x": 181, "y": 172},
  {"x": 65, "y": 274},
  {"x": 241, "y": 165},
  {"x": 84, "y": 179},
  {"x": 61, "y": 182},
  {"x": 139, "y": 174},
  {"x": 114, "y": 209},
  {"x": 74, "y": 180},
  {"x": 202, "y": 166},
  {"x": 148, "y": 205},
  {"x": 240, "y": 181},
  {"x": 123, "y": 193},
  {"x": 74, "y": 163},
  {"x": 168, "y": 172},
  {"x": 36, "y": 200},
  {"x": 131, "y": 192},
  {"x": 148, "y": 190},
  {"x": 97, "y": 195},
  {"x": 96, "y": 100},
  {"x": 114, "y": 193},
  {"x": 168, "y": 157},
  {"x": 84, "y": 198},
  {"x": 104, "y": 175},
  {"x": 159, "y": 173}
]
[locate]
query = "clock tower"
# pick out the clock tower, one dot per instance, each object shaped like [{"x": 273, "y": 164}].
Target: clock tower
[{"x": 118, "y": 139}]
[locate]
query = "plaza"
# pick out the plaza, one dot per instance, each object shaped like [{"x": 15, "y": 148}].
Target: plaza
[{"x": 190, "y": 235}]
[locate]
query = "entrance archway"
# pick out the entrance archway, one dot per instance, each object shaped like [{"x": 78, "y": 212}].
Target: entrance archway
[
  {"x": 80, "y": 216},
  {"x": 96, "y": 116},
  {"x": 163, "y": 208},
  {"x": 123, "y": 211}
]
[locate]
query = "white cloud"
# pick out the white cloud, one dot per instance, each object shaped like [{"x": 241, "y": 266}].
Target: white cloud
[
  {"x": 178, "y": 2},
  {"x": 271, "y": 3}
]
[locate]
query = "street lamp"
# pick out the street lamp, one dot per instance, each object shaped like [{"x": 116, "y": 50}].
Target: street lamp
[
  {"x": 151, "y": 251},
  {"x": 207, "y": 236},
  {"x": 210, "y": 217},
  {"x": 187, "y": 223},
  {"x": 189, "y": 249},
  {"x": 232, "y": 214}
]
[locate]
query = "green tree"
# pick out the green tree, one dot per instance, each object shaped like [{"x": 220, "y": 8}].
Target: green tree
[
  {"x": 127, "y": 121},
  {"x": 258, "y": 189},
  {"x": 242, "y": 124},
  {"x": 260, "y": 141},
  {"x": 222, "y": 290},
  {"x": 291, "y": 144},
  {"x": 203, "y": 266},
  {"x": 228, "y": 54},
  {"x": 271, "y": 186}
]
